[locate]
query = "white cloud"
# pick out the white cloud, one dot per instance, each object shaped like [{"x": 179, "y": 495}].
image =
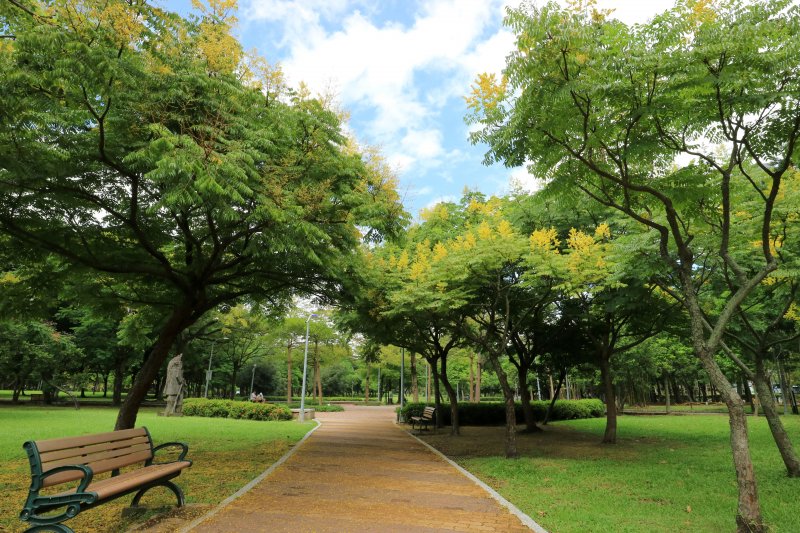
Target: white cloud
[
  {"x": 521, "y": 179},
  {"x": 374, "y": 66}
]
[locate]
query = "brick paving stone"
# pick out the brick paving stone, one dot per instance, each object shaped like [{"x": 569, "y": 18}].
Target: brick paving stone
[{"x": 359, "y": 472}]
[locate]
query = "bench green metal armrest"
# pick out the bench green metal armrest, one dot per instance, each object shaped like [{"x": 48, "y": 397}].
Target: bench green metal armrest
[{"x": 181, "y": 457}]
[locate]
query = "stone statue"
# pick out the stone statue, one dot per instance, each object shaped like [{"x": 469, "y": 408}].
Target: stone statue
[{"x": 174, "y": 387}]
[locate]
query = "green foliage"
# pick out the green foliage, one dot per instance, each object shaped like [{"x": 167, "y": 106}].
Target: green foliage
[
  {"x": 493, "y": 413},
  {"x": 233, "y": 409}
]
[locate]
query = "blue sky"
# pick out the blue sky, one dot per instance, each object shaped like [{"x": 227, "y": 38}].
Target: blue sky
[{"x": 401, "y": 68}]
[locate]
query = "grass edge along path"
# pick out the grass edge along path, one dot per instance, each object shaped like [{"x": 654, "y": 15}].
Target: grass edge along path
[
  {"x": 665, "y": 474},
  {"x": 227, "y": 454}
]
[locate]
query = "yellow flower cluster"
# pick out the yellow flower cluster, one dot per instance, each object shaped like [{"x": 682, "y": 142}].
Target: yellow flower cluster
[{"x": 545, "y": 239}]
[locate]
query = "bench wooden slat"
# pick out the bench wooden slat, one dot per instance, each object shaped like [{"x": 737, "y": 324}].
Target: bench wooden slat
[
  {"x": 130, "y": 480},
  {"x": 87, "y": 440},
  {"x": 49, "y": 457},
  {"x": 99, "y": 467},
  {"x": 95, "y": 458}
]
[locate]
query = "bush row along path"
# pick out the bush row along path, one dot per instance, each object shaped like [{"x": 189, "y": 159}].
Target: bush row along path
[{"x": 360, "y": 472}]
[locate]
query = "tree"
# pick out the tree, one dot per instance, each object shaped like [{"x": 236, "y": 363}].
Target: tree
[
  {"x": 134, "y": 143},
  {"x": 595, "y": 105}
]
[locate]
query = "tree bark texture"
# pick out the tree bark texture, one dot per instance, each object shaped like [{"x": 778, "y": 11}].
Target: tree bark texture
[
  {"x": 510, "y": 408},
  {"x": 782, "y": 441},
  {"x": 179, "y": 319},
  {"x": 527, "y": 408},
  {"x": 610, "y": 435},
  {"x": 451, "y": 395}
]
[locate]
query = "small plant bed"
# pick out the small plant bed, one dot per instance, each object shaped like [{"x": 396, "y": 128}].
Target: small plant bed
[
  {"x": 227, "y": 454},
  {"x": 235, "y": 409},
  {"x": 665, "y": 474},
  {"x": 493, "y": 413}
]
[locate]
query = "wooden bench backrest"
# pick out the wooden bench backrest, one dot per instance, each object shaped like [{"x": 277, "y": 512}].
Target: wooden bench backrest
[
  {"x": 428, "y": 412},
  {"x": 102, "y": 452}
]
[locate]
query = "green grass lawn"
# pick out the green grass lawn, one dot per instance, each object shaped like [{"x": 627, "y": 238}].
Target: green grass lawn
[
  {"x": 226, "y": 454},
  {"x": 667, "y": 473}
]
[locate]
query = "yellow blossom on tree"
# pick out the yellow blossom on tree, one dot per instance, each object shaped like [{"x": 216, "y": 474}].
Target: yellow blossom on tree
[
  {"x": 578, "y": 240},
  {"x": 504, "y": 229},
  {"x": 486, "y": 93},
  {"x": 484, "y": 231},
  {"x": 439, "y": 251},
  {"x": 602, "y": 232},
  {"x": 402, "y": 261},
  {"x": 546, "y": 239}
]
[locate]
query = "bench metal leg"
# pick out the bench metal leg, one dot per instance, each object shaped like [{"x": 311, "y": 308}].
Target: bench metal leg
[{"x": 168, "y": 484}]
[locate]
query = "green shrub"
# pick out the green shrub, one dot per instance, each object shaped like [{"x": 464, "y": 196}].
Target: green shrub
[
  {"x": 234, "y": 409},
  {"x": 493, "y": 413}
]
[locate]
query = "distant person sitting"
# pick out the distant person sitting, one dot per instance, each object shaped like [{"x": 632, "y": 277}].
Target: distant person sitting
[
  {"x": 253, "y": 397},
  {"x": 260, "y": 398}
]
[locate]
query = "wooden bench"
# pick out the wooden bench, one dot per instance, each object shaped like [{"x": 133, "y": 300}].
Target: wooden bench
[
  {"x": 79, "y": 459},
  {"x": 427, "y": 418},
  {"x": 37, "y": 398}
]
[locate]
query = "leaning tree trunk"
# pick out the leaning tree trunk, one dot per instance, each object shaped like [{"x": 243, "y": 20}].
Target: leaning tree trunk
[
  {"x": 554, "y": 395},
  {"x": 527, "y": 408},
  {"x": 179, "y": 320},
  {"x": 610, "y": 436},
  {"x": 451, "y": 395},
  {"x": 510, "y": 408},
  {"x": 779, "y": 434}
]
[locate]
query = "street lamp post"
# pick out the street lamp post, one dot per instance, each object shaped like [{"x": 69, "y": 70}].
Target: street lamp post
[
  {"x": 209, "y": 372},
  {"x": 302, "y": 417},
  {"x": 252, "y": 379}
]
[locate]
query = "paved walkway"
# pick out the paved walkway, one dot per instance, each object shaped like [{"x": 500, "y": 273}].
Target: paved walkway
[{"x": 360, "y": 472}]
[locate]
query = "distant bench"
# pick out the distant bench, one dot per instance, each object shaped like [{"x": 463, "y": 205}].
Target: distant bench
[
  {"x": 427, "y": 418},
  {"x": 59, "y": 461},
  {"x": 36, "y": 398}
]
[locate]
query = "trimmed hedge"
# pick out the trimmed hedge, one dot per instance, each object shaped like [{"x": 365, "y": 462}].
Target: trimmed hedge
[
  {"x": 234, "y": 409},
  {"x": 493, "y": 413}
]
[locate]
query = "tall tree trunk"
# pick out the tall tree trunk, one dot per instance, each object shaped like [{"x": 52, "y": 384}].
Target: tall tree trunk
[
  {"x": 610, "y": 435},
  {"x": 748, "y": 395},
  {"x": 289, "y": 373},
  {"x": 478, "y": 372},
  {"x": 554, "y": 395},
  {"x": 782, "y": 441},
  {"x": 437, "y": 396},
  {"x": 451, "y": 395},
  {"x": 472, "y": 377},
  {"x": 119, "y": 378},
  {"x": 414, "y": 378},
  {"x": 525, "y": 396},
  {"x": 318, "y": 373},
  {"x": 366, "y": 383},
  {"x": 180, "y": 319},
  {"x": 510, "y": 408},
  {"x": 666, "y": 391}
]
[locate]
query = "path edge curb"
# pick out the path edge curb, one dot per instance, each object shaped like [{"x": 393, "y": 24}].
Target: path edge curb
[
  {"x": 244, "y": 490},
  {"x": 524, "y": 518}
]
